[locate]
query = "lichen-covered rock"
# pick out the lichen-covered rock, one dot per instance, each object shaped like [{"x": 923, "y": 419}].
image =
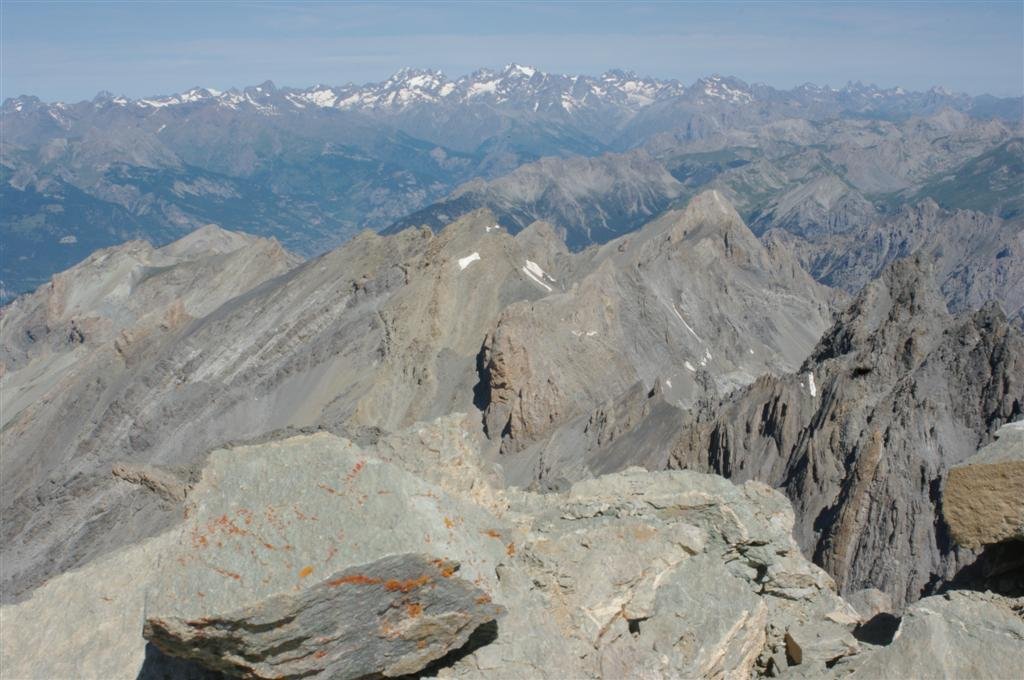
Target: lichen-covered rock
[
  {"x": 671, "y": 573},
  {"x": 392, "y": 616},
  {"x": 983, "y": 501},
  {"x": 263, "y": 521}
]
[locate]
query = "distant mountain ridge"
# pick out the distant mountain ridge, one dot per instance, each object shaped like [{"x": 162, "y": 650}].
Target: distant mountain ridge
[
  {"x": 311, "y": 167},
  {"x": 517, "y": 85}
]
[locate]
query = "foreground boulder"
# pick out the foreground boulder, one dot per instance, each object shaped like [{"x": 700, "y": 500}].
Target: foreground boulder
[
  {"x": 983, "y": 501},
  {"x": 961, "y": 634},
  {"x": 412, "y": 610}
]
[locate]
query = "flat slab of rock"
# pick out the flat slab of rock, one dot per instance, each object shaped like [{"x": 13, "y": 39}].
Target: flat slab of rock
[
  {"x": 983, "y": 501},
  {"x": 392, "y": 616}
]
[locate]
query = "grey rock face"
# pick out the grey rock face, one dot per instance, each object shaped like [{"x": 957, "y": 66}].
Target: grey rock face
[
  {"x": 681, "y": 304},
  {"x": 958, "y": 635},
  {"x": 591, "y": 200},
  {"x": 862, "y": 437},
  {"x": 976, "y": 256},
  {"x": 982, "y": 500},
  {"x": 393, "y": 617}
]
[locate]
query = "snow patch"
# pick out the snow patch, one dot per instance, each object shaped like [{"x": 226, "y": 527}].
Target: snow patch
[
  {"x": 490, "y": 87},
  {"x": 680, "y": 316},
  {"x": 468, "y": 260},
  {"x": 67, "y": 240},
  {"x": 537, "y": 271},
  {"x": 535, "y": 278},
  {"x": 492, "y": 227},
  {"x": 811, "y": 387},
  {"x": 689, "y": 367}
]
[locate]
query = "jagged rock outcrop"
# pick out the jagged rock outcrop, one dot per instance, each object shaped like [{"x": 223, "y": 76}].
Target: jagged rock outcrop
[
  {"x": 982, "y": 501},
  {"x": 393, "y": 617},
  {"x": 692, "y": 301},
  {"x": 861, "y": 438},
  {"x": 976, "y": 257}
]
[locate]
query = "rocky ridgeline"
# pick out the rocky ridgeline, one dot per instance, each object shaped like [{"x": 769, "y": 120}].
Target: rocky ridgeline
[
  {"x": 862, "y": 437},
  {"x": 315, "y": 557},
  {"x": 369, "y": 338}
]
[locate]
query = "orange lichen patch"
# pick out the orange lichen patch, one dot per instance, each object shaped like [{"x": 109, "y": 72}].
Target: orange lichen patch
[
  {"x": 229, "y": 574},
  {"x": 483, "y": 599},
  {"x": 414, "y": 609},
  {"x": 225, "y": 524},
  {"x": 510, "y": 549},
  {"x": 356, "y": 469},
  {"x": 421, "y": 644},
  {"x": 446, "y": 568},
  {"x": 268, "y": 546},
  {"x": 354, "y": 579},
  {"x": 493, "y": 533},
  {"x": 302, "y": 515},
  {"x": 407, "y": 585},
  {"x": 319, "y": 654},
  {"x": 328, "y": 489},
  {"x": 245, "y": 514},
  {"x": 448, "y": 522},
  {"x": 305, "y": 571}
]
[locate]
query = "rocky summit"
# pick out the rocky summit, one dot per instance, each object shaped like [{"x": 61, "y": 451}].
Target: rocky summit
[
  {"x": 473, "y": 450},
  {"x": 313, "y": 556}
]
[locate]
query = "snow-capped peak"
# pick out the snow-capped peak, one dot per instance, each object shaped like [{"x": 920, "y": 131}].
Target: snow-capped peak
[
  {"x": 729, "y": 90},
  {"x": 519, "y": 70},
  {"x": 515, "y": 87}
]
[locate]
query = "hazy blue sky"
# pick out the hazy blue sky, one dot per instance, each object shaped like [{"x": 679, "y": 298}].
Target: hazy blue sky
[{"x": 71, "y": 50}]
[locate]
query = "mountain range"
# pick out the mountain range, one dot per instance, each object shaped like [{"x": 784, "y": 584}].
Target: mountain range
[{"x": 313, "y": 166}]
